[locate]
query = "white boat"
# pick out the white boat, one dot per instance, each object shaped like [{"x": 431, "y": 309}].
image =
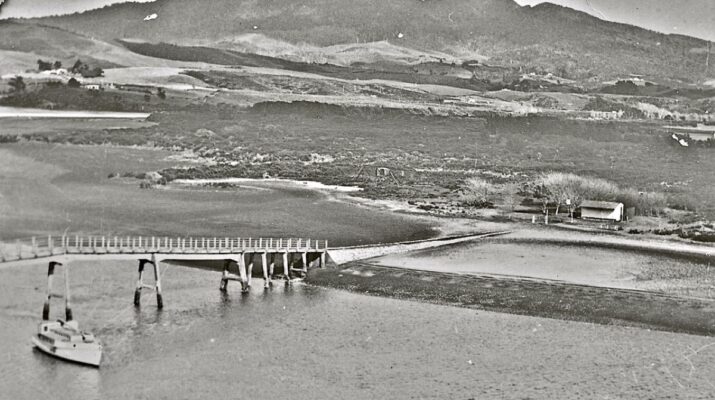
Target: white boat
[{"x": 64, "y": 340}]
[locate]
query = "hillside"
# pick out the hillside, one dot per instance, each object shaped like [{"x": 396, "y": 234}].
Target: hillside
[
  {"x": 547, "y": 37},
  {"x": 22, "y": 44}
]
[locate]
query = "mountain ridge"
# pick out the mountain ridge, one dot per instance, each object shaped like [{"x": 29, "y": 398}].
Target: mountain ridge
[{"x": 545, "y": 37}]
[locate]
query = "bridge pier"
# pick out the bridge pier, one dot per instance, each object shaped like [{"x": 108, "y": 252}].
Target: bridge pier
[
  {"x": 286, "y": 266},
  {"x": 228, "y": 275},
  {"x": 264, "y": 266},
  {"x": 304, "y": 259},
  {"x": 157, "y": 282},
  {"x": 272, "y": 266},
  {"x": 249, "y": 268},
  {"x": 242, "y": 273},
  {"x": 50, "y": 275}
]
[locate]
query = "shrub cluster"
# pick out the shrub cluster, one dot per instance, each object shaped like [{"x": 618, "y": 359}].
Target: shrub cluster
[{"x": 570, "y": 190}]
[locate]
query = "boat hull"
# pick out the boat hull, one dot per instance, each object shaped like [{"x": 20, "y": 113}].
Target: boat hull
[{"x": 84, "y": 353}]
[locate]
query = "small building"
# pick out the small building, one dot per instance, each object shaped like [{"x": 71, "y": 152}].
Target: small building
[{"x": 602, "y": 210}]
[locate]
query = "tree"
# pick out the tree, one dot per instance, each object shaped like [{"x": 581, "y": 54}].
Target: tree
[
  {"x": 44, "y": 65},
  {"x": 78, "y": 67},
  {"x": 57, "y": 65},
  {"x": 475, "y": 192},
  {"x": 161, "y": 93},
  {"x": 570, "y": 190},
  {"x": 17, "y": 83},
  {"x": 73, "y": 83}
]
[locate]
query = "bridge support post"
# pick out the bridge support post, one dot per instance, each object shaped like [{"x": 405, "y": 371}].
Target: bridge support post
[
  {"x": 242, "y": 272},
  {"x": 286, "y": 266},
  {"x": 322, "y": 260},
  {"x": 249, "y": 268},
  {"x": 304, "y": 259},
  {"x": 141, "y": 285},
  {"x": 50, "y": 276},
  {"x": 157, "y": 278},
  {"x": 68, "y": 307},
  {"x": 224, "y": 279},
  {"x": 272, "y": 266},
  {"x": 264, "y": 266}
]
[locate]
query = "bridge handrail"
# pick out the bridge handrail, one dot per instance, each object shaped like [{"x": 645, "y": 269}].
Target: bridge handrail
[{"x": 46, "y": 246}]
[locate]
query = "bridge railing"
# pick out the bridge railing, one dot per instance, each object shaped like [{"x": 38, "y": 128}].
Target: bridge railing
[{"x": 37, "y": 247}]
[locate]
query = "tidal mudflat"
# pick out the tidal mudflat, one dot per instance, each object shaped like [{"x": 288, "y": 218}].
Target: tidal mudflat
[{"x": 567, "y": 262}]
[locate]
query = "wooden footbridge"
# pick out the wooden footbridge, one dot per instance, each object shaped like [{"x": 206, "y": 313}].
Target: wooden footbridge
[{"x": 239, "y": 255}]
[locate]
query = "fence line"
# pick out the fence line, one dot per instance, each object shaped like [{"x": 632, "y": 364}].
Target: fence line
[{"x": 46, "y": 246}]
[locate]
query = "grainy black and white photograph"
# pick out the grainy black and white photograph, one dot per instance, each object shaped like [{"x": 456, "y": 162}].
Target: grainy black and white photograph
[{"x": 357, "y": 199}]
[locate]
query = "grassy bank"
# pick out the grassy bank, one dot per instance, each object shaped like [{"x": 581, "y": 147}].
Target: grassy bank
[{"x": 526, "y": 297}]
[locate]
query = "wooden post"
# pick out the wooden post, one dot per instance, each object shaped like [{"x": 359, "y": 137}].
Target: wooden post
[
  {"x": 264, "y": 266},
  {"x": 68, "y": 308},
  {"x": 289, "y": 267},
  {"x": 34, "y": 246},
  {"x": 272, "y": 266},
  {"x": 322, "y": 260},
  {"x": 50, "y": 275},
  {"x": 249, "y": 268},
  {"x": 286, "y": 268},
  {"x": 224, "y": 279},
  {"x": 304, "y": 259},
  {"x": 157, "y": 278},
  {"x": 242, "y": 272},
  {"x": 140, "y": 283}
]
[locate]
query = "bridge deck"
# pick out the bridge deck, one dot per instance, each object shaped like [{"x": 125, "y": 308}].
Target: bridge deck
[{"x": 34, "y": 248}]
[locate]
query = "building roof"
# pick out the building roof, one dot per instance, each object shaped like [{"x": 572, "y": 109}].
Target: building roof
[{"x": 600, "y": 205}]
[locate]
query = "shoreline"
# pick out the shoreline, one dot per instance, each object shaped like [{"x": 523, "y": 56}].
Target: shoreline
[{"x": 536, "y": 298}]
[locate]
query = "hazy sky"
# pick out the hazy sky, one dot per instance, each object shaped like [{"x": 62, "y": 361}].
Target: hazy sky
[
  {"x": 40, "y": 8},
  {"x": 688, "y": 17}
]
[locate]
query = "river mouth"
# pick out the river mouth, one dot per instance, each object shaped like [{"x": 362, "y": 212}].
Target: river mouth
[
  {"x": 308, "y": 342},
  {"x": 49, "y": 189}
]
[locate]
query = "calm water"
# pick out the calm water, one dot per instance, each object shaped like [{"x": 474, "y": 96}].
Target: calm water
[
  {"x": 311, "y": 343},
  {"x": 49, "y": 189}
]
